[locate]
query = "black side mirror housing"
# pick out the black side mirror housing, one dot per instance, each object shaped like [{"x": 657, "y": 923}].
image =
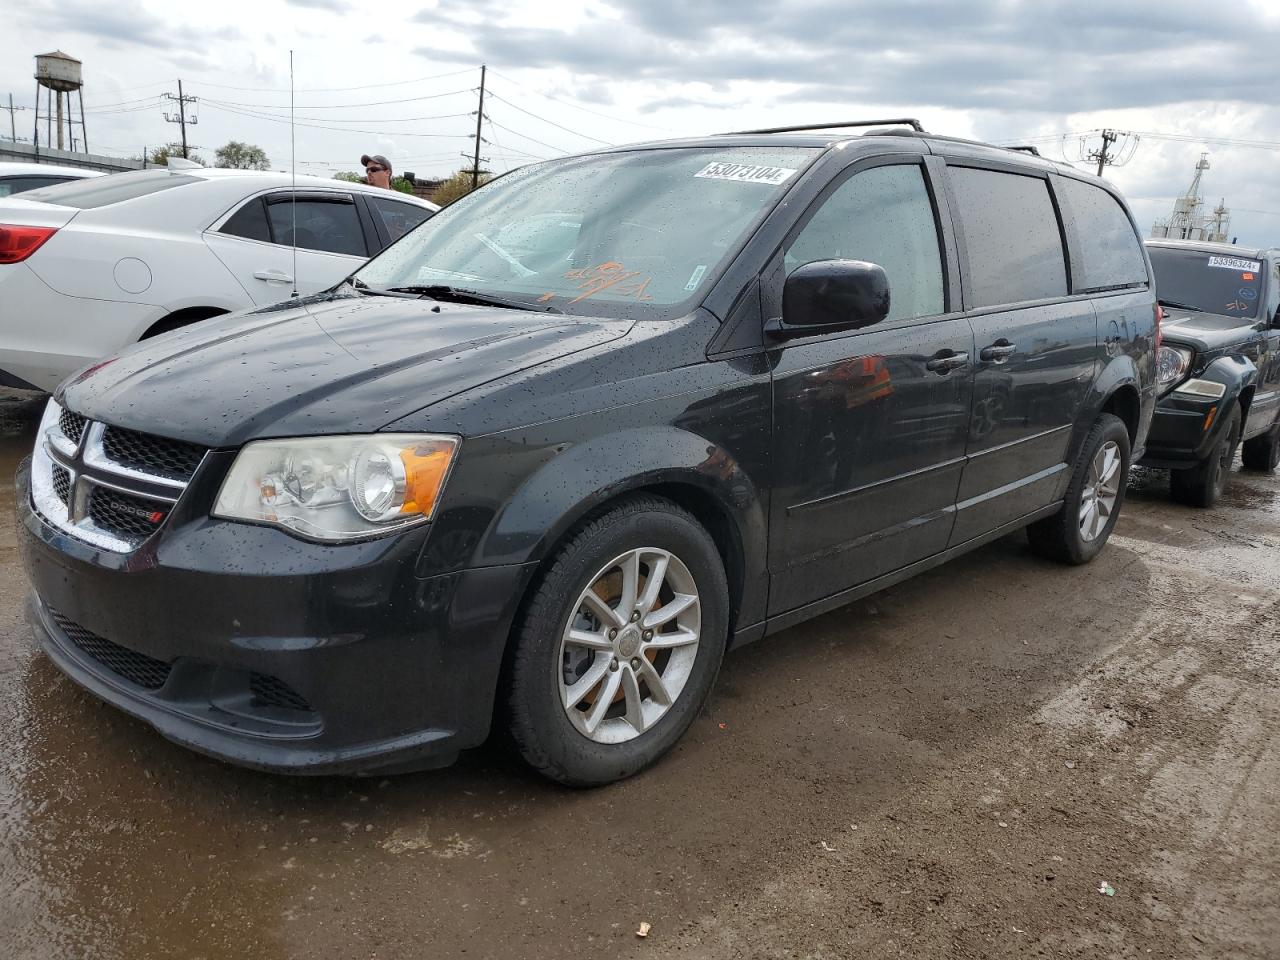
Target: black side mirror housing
[{"x": 831, "y": 295}]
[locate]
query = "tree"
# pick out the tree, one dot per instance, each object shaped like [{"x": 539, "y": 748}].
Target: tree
[
  {"x": 241, "y": 156},
  {"x": 459, "y": 185},
  {"x": 346, "y": 176},
  {"x": 160, "y": 155}
]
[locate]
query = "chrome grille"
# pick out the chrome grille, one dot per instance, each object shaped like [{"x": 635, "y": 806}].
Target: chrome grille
[
  {"x": 115, "y": 494},
  {"x": 159, "y": 455},
  {"x": 71, "y": 425},
  {"x": 62, "y": 483}
]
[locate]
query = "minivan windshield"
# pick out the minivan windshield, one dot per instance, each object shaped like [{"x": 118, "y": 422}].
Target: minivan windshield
[
  {"x": 1209, "y": 282},
  {"x": 619, "y": 234}
]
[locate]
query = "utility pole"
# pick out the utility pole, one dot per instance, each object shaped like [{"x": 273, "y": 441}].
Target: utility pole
[
  {"x": 13, "y": 128},
  {"x": 1103, "y": 155},
  {"x": 475, "y": 164},
  {"x": 181, "y": 116}
]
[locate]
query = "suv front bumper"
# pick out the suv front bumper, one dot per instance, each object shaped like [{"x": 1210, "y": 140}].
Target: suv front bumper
[{"x": 247, "y": 644}]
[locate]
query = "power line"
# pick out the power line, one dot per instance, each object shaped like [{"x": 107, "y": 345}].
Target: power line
[
  {"x": 345, "y": 106},
  {"x": 552, "y": 122},
  {"x": 525, "y": 136},
  {"x": 575, "y": 106},
  {"x": 319, "y": 126},
  {"x": 364, "y": 86}
]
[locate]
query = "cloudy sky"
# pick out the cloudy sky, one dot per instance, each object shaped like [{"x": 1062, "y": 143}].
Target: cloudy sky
[{"x": 400, "y": 79}]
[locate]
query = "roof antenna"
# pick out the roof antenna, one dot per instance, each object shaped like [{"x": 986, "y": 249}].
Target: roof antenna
[{"x": 293, "y": 182}]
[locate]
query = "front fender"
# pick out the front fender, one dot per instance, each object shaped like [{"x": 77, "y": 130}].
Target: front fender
[
  {"x": 1186, "y": 428},
  {"x": 689, "y": 467}
]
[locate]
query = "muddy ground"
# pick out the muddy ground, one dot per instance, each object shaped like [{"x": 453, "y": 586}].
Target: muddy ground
[{"x": 949, "y": 769}]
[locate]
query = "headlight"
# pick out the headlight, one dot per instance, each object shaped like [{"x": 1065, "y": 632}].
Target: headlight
[
  {"x": 1172, "y": 364},
  {"x": 338, "y": 488}
]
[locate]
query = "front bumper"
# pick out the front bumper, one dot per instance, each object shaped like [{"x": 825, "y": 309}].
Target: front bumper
[
  {"x": 249, "y": 645},
  {"x": 1184, "y": 431}
]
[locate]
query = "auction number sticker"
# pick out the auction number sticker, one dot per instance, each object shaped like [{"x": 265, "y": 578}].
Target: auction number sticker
[
  {"x": 1235, "y": 263},
  {"x": 746, "y": 173}
]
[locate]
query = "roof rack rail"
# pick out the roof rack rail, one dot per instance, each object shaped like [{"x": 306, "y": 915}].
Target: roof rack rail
[
  {"x": 1025, "y": 149},
  {"x": 903, "y": 121}
]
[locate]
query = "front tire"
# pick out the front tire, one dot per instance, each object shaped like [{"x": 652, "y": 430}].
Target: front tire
[
  {"x": 1078, "y": 532},
  {"x": 1203, "y": 484},
  {"x": 620, "y": 644}
]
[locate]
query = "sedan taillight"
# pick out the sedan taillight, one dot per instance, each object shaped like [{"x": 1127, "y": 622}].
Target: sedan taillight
[{"x": 19, "y": 242}]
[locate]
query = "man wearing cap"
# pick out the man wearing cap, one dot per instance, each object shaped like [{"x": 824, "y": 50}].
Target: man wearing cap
[{"x": 377, "y": 171}]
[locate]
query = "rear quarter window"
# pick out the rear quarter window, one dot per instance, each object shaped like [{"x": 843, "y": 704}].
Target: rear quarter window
[
  {"x": 1013, "y": 240},
  {"x": 1110, "y": 251},
  {"x": 101, "y": 191}
]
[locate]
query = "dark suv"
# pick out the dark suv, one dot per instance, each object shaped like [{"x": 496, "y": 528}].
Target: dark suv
[
  {"x": 713, "y": 387},
  {"x": 1219, "y": 367}
]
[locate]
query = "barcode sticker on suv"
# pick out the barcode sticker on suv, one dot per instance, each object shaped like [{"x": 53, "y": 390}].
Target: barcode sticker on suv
[
  {"x": 1235, "y": 263},
  {"x": 746, "y": 172}
]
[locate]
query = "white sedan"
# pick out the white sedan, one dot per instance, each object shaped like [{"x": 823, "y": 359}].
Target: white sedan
[
  {"x": 18, "y": 177},
  {"x": 89, "y": 267}
]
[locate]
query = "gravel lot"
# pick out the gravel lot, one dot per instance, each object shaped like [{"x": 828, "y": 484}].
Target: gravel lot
[{"x": 950, "y": 768}]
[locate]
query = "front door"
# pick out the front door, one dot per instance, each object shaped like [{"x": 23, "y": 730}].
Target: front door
[
  {"x": 1266, "y": 398},
  {"x": 870, "y": 425}
]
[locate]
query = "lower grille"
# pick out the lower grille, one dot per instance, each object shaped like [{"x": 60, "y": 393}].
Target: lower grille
[
  {"x": 137, "y": 668},
  {"x": 126, "y": 516},
  {"x": 269, "y": 691}
]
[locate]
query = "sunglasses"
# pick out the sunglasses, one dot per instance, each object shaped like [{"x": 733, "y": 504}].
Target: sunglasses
[{"x": 374, "y": 169}]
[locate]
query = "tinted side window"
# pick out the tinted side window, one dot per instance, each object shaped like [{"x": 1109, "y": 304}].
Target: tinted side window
[
  {"x": 328, "y": 225},
  {"x": 11, "y": 185},
  {"x": 250, "y": 222},
  {"x": 1110, "y": 252},
  {"x": 883, "y": 215},
  {"x": 1011, "y": 235},
  {"x": 396, "y": 217}
]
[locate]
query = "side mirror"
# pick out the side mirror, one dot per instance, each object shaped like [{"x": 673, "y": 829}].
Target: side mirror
[{"x": 833, "y": 295}]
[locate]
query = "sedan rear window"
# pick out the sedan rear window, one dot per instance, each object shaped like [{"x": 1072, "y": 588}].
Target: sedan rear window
[{"x": 101, "y": 191}]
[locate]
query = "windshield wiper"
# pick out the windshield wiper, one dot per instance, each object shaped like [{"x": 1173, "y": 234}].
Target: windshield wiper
[
  {"x": 460, "y": 295},
  {"x": 1179, "y": 306},
  {"x": 357, "y": 284}
]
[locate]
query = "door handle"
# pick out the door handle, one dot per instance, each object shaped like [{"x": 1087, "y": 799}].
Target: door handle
[
  {"x": 272, "y": 276},
  {"x": 944, "y": 361},
  {"x": 998, "y": 352}
]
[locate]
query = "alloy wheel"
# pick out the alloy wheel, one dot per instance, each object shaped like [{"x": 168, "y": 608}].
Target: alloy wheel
[
  {"x": 1098, "y": 499},
  {"x": 629, "y": 646}
]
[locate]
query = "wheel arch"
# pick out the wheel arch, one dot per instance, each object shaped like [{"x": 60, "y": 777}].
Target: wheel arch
[{"x": 181, "y": 318}]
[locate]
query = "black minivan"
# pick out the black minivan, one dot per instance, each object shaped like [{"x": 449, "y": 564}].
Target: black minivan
[{"x": 551, "y": 454}]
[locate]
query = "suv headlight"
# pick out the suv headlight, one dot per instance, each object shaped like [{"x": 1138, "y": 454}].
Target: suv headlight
[
  {"x": 1172, "y": 364},
  {"x": 338, "y": 488}
]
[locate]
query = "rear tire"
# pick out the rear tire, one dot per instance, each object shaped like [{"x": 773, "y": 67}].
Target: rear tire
[
  {"x": 1203, "y": 484},
  {"x": 1262, "y": 453},
  {"x": 602, "y": 687},
  {"x": 1079, "y": 531}
]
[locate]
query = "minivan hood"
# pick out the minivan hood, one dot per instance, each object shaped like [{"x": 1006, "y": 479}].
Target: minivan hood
[
  {"x": 333, "y": 365},
  {"x": 1204, "y": 332}
]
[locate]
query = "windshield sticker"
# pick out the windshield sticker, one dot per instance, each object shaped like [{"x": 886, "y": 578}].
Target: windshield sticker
[
  {"x": 1247, "y": 276},
  {"x": 1248, "y": 293},
  {"x": 696, "y": 277},
  {"x": 746, "y": 173},
  {"x": 1235, "y": 263},
  {"x": 610, "y": 275}
]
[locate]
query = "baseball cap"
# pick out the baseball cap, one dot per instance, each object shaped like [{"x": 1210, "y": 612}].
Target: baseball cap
[{"x": 377, "y": 158}]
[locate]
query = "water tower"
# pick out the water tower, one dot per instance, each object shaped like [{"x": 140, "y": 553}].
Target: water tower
[{"x": 59, "y": 73}]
